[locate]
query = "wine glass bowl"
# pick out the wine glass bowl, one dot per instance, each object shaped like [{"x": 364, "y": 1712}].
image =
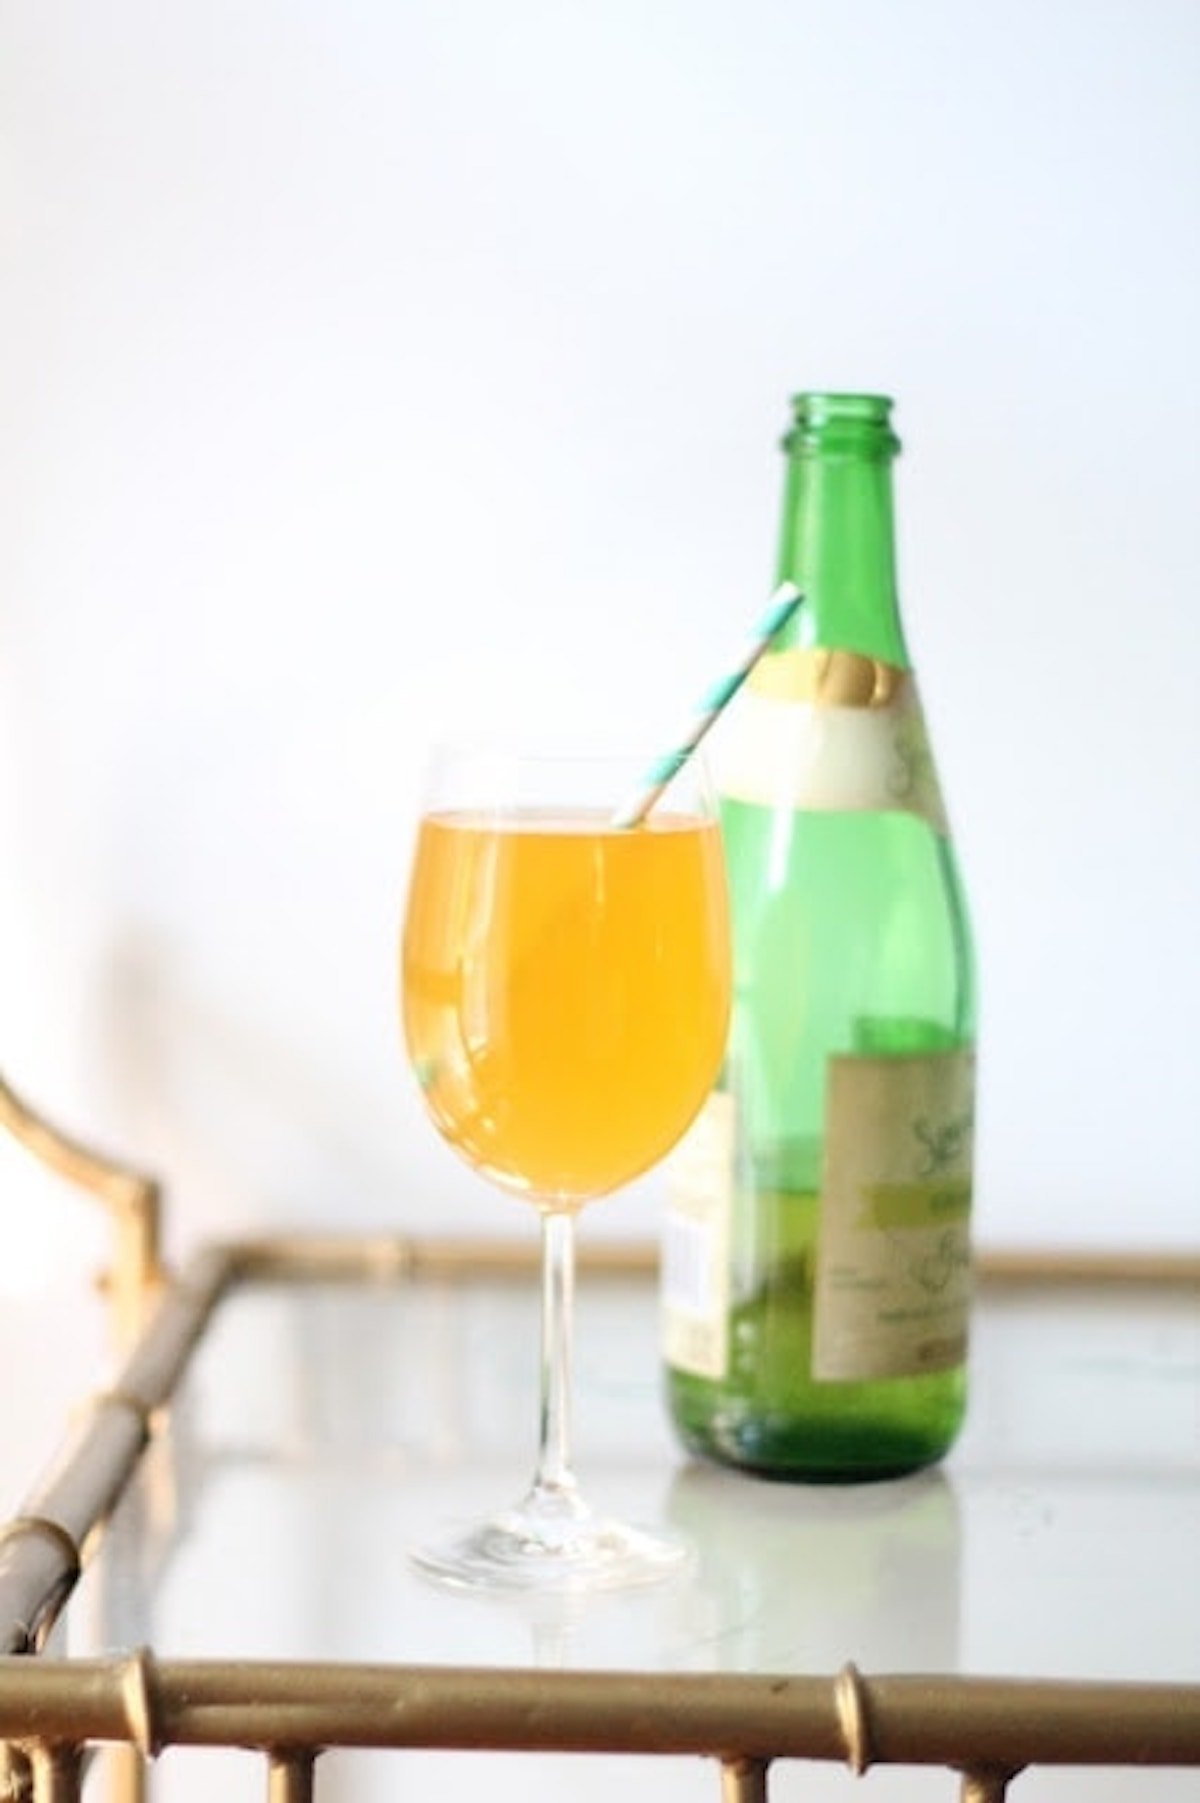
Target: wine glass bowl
[{"x": 565, "y": 996}]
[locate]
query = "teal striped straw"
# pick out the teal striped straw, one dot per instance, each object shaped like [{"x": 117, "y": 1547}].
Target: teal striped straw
[{"x": 784, "y": 602}]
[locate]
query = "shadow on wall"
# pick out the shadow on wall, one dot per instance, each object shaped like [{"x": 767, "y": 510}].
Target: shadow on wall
[{"x": 245, "y": 1127}]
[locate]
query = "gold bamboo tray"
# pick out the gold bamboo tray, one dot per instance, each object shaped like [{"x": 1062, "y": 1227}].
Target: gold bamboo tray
[{"x": 136, "y": 1698}]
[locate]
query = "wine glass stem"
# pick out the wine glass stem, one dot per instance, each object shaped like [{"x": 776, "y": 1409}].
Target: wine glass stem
[{"x": 554, "y": 1480}]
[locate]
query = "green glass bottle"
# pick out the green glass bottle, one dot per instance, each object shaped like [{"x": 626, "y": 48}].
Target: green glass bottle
[{"x": 816, "y": 1268}]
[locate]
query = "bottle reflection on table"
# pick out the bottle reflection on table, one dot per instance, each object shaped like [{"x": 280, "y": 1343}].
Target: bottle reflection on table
[{"x": 805, "y": 1579}]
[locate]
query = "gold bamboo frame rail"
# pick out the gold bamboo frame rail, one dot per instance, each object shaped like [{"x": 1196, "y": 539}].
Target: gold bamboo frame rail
[
  {"x": 985, "y": 1724},
  {"x": 52, "y": 1710}
]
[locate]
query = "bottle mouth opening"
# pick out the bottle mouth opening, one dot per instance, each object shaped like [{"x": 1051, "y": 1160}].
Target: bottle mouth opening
[
  {"x": 835, "y": 417},
  {"x": 822, "y": 404}
]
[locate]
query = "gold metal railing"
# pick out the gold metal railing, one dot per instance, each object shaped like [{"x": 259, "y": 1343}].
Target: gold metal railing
[
  {"x": 54, "y": 1710},
  {"x": 989, "y": 1726}
]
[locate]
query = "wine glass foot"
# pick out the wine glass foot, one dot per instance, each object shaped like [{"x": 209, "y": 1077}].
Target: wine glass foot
[{"x": 518, "y": 1553}]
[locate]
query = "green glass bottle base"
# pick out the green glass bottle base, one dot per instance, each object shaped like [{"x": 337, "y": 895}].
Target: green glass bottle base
[{"x": 842, "y": 1440}]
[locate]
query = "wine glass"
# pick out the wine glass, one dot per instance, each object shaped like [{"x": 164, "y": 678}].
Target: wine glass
[{"x": 565, "y": 996}]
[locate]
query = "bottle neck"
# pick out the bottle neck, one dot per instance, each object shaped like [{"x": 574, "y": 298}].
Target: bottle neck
[{"x": 837, "y": 542}]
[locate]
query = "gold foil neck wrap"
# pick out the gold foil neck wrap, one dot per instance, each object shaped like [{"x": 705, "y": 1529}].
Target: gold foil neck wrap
[{"x": 828, "y": 678}]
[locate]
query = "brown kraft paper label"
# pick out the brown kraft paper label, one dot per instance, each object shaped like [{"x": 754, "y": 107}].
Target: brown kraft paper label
[{"x": 892, "y": 1283}]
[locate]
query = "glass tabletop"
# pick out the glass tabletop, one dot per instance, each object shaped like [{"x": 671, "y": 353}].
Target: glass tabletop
[{"x": 324, "y": 1428}]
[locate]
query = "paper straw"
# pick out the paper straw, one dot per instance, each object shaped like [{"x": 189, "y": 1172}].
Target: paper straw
[{"x": 784, "y": 602}]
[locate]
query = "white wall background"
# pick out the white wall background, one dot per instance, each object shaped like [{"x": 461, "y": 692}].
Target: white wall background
[{"x": 366, "y": 367}]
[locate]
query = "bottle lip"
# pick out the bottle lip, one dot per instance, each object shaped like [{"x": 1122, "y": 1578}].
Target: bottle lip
[
  {"x": 837, "y": 417},
  {"x": 837, "y": 403}
]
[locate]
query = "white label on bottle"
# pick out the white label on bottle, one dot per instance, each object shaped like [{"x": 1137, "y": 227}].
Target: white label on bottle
[
  {"x": 892, "y": 1283},
  {"x": 695, "y": 1249},
  {"x": 797, "y": 754}
]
